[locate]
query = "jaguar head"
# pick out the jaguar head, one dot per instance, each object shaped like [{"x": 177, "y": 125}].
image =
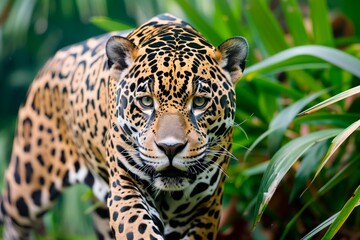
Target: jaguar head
[{"x": 175, "y": 102}]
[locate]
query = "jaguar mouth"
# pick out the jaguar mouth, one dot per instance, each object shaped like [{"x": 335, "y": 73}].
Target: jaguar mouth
[
  {"x": 171, "y": 172},
  {"x": 174, "y": 173},
  {"x": 172, "y": 179}
]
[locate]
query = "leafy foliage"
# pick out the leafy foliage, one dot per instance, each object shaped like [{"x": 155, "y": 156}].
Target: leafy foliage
[{"x": 299, "y": 51}]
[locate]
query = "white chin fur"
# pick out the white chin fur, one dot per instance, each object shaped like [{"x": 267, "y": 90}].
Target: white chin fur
[{"x": 171, "y": 184}]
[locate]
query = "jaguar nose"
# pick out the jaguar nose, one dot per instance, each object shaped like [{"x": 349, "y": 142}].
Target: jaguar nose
[{"x": 171, "y": 150}]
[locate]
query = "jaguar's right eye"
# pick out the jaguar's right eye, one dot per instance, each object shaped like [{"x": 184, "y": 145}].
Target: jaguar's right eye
[
  {"x": 200, "y": 102},
  {"x": 146, "y": 102}
]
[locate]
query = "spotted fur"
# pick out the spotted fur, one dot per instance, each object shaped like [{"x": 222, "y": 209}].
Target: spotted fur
[{"x": 143, "y": 119}]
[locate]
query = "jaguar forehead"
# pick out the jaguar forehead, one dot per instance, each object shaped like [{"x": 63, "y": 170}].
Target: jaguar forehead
[
  {"x": 201, "y": 85},
  {"x": 172, "y": 56},
  {"x": 145, "y": 84},
  {"x": 175, "y": 78},
  {"x": 168, "y": 32}
]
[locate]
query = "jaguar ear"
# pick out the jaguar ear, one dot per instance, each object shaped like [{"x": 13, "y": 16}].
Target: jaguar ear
[
  {"x": 233, "y": 54},
  {"x": 121, "y": 52}
]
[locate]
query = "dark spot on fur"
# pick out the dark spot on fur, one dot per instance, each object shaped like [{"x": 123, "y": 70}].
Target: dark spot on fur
[
  {"x": 142, "y": 228},
  {"x": 22, "y": 207},
  {"x": 28, "y": 172},
  {"x": 36, "y": 197}
]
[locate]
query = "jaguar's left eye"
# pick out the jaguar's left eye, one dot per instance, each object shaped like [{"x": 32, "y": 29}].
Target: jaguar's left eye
[
  {"x": 200, "y": 102},
  {"x": 146, "y": 102}
]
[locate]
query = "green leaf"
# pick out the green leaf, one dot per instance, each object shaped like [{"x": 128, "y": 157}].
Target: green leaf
[
  {"x": 284, "y": 118},
  {"x": 247, "y": 100},
  {"x": 277, "y": 88},
  {"x": 267, "y": 103},
  {"x": 258, "y": 140},
  {"x": 231, "y": 22},
  {"x": 281, "y": 163},
  {"x": 336, "y": 143},
  {"x": 320, "y": 227},
  {"x": 334, "y": 99},
  {"x": 346, "y": 172},
  {"x": 305, "y": 81},
  {"x": 302, "y": 55},
  {"x": 338, "y": 219},
  {"x": 109, "y": 24},
  {"x": 343, "y": 173},
  {"x": 320, "y": 22},
  {"x": 307, "y": 167},
  {"x": 301, "y": 67},
  {"x": 257, "y": 169},
  {"x": 265, "y": 27},
  {"x": 280, "y": 122},
  {"x": 198, "y": 18},
  {"x": 295, "y": 21},
  {"x": 324, "y": 118}
]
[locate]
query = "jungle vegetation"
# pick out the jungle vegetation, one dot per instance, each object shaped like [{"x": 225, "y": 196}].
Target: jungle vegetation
[{"x": 296, "y": 156}]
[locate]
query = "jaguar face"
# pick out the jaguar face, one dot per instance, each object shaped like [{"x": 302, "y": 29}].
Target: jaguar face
[{"x": 175, "y": 103}]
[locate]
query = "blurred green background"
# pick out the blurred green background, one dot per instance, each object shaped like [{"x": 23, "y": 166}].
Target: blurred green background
[{"x": 301, "y": 53}]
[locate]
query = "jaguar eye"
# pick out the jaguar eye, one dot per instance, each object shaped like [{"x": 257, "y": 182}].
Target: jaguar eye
[
  {"x": 146, "y": 102},
  {"x": 200, "y": 102}
]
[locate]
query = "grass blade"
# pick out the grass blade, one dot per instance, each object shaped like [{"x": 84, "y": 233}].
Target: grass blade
[
  {"x": 346, "y": 172},
  {"x": 109, "y": 24},
  {"x": 305, "y": 81},
  {"x": 198, "y": 19},
  {"x": 320, "y": 227},
  {"x": 334, "y": 99},
  {"x": 277, "y": 88},
  {"x": 270, "y": 35},
  {"x": 325, "y": 118},
  {"x": 295, "y": 21},
  {"x": 335, "y": 180},
  {"x": 258, "y": 140},
  {"x": 281, "y": 163},
  {"x": 307, "y": 167},
  {"x": 231, "y": 22},
  {"x": 338, "y": 219},
  {"x": 302, "y": 55},
  {"x": 336, "y": 143},
  {"x": 320, "y": 22},
  {"x": 343, "y": 215},
  {"x": 248, "y": 101},
  {"x": 284, "y": 118},
  {"x": 279, "y": 124}
]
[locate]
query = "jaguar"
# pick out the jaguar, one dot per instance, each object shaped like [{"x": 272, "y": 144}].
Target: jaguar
[{"x": 144, "y": 118}]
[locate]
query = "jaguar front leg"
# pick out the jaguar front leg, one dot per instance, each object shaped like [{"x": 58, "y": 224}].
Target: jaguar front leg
[
  {"x": 101, "y": 222},
  {"x": 205, "y": 225},
  {"x": 205, "y": 220},
  {"x": 132, "y": 213}
]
